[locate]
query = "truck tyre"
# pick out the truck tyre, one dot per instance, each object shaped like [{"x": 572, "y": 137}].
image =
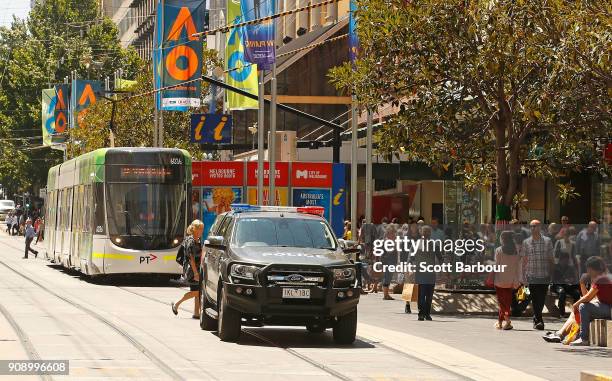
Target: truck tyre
[
  {"x": 345, "y": 329},
  {"x": 207, "y": 323},
  {"x": 229, "y": 320}
]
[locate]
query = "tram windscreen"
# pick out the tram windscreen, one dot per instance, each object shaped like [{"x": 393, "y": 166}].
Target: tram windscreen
[{"x": 146, "y": 216}]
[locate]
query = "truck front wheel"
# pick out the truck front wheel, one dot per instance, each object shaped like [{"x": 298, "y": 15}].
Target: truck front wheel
[
  {"x": 345, "y": 328},
  {"x": 206, "y": 322},
  {"x": 229, "y": 320}
]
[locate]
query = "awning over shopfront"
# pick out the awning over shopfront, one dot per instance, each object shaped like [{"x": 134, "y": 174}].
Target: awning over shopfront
[{"x": 406, "y": 170}]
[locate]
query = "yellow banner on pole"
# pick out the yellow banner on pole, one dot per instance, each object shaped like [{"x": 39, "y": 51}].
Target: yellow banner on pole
[{"x": 240, "y": 73}]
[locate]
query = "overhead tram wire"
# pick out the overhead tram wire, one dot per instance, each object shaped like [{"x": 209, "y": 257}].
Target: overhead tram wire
[
  {"x": 307, "y": 47},
  {"x": 227, "y": 28},
  {"x": 199, "y": 79}
]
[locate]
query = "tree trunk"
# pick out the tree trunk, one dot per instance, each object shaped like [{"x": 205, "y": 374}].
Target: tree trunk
[{"x": 502, "y": 208}]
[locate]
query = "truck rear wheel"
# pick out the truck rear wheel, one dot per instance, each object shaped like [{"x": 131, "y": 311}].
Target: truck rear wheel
[
  {"x": 345, "y": 328},
  {"x": 229, "y": 320}
]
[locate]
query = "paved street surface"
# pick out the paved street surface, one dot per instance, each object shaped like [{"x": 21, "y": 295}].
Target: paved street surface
[{"x": 127, "y": 331}]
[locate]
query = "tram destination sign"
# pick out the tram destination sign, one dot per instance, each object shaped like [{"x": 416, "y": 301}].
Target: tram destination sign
[{"x": 146, "y": 173}]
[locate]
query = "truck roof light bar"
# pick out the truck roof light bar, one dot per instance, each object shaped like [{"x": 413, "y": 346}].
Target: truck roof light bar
[{"x": 315, "y": 210}]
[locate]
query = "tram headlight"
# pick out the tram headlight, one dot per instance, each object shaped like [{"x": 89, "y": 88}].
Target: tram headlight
[
  {"x": 118, "y": 240},
  {"x": 176, "y": 241}
]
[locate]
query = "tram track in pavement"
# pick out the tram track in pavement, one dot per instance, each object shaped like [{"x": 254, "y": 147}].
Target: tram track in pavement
[
  {"x": 160, "y": 364},
  {"x": 257, "y": 336},
  {"x": 311, "y": 361},
  {"x": 265, "y": 340},
  {"x": 24, "y": 339}
]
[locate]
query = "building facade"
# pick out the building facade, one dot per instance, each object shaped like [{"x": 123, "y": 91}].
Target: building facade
[{"x": 135, "y": 20}]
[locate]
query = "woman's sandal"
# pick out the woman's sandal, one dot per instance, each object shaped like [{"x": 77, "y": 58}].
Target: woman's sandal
[{"x": 174, "y": 310}]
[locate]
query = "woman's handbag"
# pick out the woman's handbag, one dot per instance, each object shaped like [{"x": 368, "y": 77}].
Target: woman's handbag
[
  {"x": 522, "y": 293},
  {"x": 410, "y": 292}
]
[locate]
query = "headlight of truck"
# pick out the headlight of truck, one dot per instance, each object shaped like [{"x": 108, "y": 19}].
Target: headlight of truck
[
  {"x": 344, "y": 277},
  {"x": 243, "y": 272}
]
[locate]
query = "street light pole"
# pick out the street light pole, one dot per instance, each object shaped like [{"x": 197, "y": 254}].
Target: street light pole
[
  {"x": 354, "y": 149},
  {"x": 260, "y": 140},
  {"x": 272, "y": 137}
]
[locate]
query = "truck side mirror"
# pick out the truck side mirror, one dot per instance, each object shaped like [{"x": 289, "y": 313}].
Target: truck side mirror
[{"x": 215, "y": 242}]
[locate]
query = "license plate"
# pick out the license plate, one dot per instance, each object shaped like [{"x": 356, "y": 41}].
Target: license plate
[{"x": 296, "y": 293}]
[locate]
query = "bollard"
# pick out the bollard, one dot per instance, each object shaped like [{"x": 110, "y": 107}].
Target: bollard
[{"x": 598, "y": 333}]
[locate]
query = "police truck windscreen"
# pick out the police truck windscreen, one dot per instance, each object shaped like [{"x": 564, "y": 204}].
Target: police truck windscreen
[{"x": 283, "y": 232}]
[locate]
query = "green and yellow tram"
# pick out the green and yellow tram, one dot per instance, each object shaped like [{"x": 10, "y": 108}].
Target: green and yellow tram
[{"x": 119, "y": 210}]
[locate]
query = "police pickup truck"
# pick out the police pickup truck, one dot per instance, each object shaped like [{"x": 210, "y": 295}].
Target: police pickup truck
[{"x": 277, "y": 266}]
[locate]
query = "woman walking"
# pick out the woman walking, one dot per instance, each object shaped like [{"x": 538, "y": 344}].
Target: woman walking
[
  {"x": 505, "y": 282},
  {"x": 193, "y": 253},
  {"x": 389, "y": 258}
]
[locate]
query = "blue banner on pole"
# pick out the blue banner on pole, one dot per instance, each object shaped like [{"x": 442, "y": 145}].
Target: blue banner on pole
[
  {"x": 177, "y": 57},
  {"x": 259, "y": 44},
  {"x": 211, "y": 128},
  {"x": 84, "y": 94},
  {"x": 339, "y": 194},
  {"x": 62, "y": 96},
  {"x": 353, "y": 38}
]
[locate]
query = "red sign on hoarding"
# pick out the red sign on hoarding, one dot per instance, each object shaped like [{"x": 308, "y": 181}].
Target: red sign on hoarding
[
  {"x": 608, "y": 154},
  {"x": 311, "y": 175},
  {"x": 218, "y": 173},
  {"x": 282, "y": 174}
]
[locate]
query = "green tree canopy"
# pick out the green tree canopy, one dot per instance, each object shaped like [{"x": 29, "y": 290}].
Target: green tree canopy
[
  {"x": 58, "y": 37},
  {"x": 134, "y": 119},
  {"x": 497, "y": 88}
]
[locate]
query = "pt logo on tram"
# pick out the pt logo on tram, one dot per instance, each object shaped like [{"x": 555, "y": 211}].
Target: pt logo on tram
[{"x": 147, "y": 258}]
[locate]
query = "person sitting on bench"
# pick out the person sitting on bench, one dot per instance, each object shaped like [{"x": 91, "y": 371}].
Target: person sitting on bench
[{"x": 590, "y": 308}]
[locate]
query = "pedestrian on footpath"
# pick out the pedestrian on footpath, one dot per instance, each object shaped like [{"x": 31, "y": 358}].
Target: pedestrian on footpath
[
  {"x": 565, "y": 280},
  {"x": 587, "y": 244},
  {"x": 9, "y": 222},
  {"x": 192, "y": 249},
  {"x": 426, "y": 279},
  {"x": 507, "y": 281},
  {"x": 40, "y": 231},
  {"x": 388, "y": 258},
  {"x": 14, "y": 224},
  {"x": 29, "y": 234},
  {"x": 590, "y": 308},
  {"x": 410, "y": 290},
  {"x": 538, "y": 254},
  {"x": 19, "y": 221}
]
